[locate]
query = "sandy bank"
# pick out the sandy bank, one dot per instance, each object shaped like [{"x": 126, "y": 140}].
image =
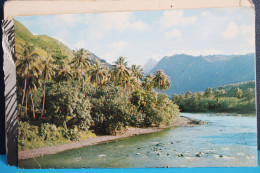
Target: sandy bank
[{"x": 178, "y": 122}]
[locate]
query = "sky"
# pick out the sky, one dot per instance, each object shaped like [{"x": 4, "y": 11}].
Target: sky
[{"x": 142, "y": 35}]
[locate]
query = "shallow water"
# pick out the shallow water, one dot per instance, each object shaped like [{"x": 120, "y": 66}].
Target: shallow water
[{"x": 224, "y": 141}]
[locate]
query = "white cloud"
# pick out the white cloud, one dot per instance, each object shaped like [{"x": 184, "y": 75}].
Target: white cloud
[
  {"x": 121, "y": 21},
  {"x": 118, "y": 45},
  {"x": 175, "y": 33},
  {"x": 231, "y": 31},
  {"x": 99, "y": 26},
  {"x": 176, "y": 17},
  {"x": 246, "y": 31},
  {"x": 249, "y": 33}
]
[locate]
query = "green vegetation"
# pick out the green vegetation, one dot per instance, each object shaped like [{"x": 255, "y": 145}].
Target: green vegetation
[
  {"x": 235, "y": 98},
  {"x": 64, "y": 97}
]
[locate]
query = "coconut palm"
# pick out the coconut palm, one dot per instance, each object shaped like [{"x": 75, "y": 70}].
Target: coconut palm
[
  {"x": 131, "y": 83},
  {"x": 65, "y": 74},
  {"x": 148, "y": 82},
  {"x": 25, "y": 64},
  {"x": 137, "y": 72},
  {"x": 161, "y": 81},
  {"x": 28, "y": 67},
  {"x": 81, "y": 63},
  {"x": 121, "y": 71},
  {"x": 98, "y": 74},
  {"x": 48, "y": 71},
  {"x": 32, "y": 82}
]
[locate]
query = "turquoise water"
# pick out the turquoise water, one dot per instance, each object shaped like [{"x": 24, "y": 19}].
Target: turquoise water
[{"x": 224, "y": 141}]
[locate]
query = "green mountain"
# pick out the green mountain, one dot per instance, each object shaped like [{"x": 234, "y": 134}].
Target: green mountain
[
  {"x": 197, "y": 73},
  {"x": 45, "y": 45}
]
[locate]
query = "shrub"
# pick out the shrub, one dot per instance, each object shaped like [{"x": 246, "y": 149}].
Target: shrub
[
  {"x": 67, "y": 100},
  {"x": 112, "y": 110},
  {"x": 156, "y": 109}
]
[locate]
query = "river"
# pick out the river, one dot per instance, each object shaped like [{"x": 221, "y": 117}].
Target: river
[{"x": 225, "y": 141}]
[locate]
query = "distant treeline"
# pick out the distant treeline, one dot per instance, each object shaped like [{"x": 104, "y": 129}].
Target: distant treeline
[{"x": 235, "y": 98}]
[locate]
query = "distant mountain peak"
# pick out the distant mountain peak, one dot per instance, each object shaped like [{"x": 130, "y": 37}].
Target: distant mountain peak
[
  {"x": 149, "y": 65},
  {"x": 196, "y": 73}
]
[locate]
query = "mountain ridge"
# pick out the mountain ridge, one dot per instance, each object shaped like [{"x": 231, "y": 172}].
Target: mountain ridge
[{"x": 196, "y": 73}]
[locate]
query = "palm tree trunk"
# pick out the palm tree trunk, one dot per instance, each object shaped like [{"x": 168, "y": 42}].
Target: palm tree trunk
[
  {"x": 159, "y": 86},
  {"x": 24, "y": 89},
  {"x": 82, "y": 76},
  {"x": 32, "y": 102},
  {"x": 26, "y": 103},
  {"x": 43, "y": 102},
  {"x": 96, "y": 81}
]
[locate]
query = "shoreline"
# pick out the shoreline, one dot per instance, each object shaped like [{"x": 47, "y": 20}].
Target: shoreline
[{"x": 180, "y": 121}]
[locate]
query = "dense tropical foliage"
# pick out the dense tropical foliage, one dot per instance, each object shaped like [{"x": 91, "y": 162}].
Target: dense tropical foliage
[
  {"x": 63, "y": 100},
  {"x": 65, "y": 95}
]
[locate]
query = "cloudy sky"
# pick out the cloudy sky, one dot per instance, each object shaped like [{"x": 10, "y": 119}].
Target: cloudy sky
[{"x": 140, "y": 36}]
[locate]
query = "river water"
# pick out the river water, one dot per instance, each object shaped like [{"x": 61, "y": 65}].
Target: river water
[{"x": 225, "y": 141}]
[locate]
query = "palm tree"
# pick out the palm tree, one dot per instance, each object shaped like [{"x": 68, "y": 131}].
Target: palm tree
[
  {"x": 48, "y": 70},
  {"x": 28, "y": 67},
  {"x": 25, "y": 61},
  {"x": 137, "y": 72},
  {"x": 161, "y": 81},
  {"x": 65, "y": 74},
  {"x": 32, "y": 83},
  {"x": 98, "y": 74},
  {"x": 131, "y": 83},
  {"x": 148, "y": 82},
  {"x": 81, "y": 63},
  {"x": 121, "y": 71}
]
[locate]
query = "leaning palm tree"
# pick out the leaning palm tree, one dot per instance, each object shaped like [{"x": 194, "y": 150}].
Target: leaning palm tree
[
  {"x": 48, "y": 71},
  {"x": 25, "y": 64},
  {"x": 137, "y": 72},
  {"x": 81, "y": 63},
  {"x": 98, "y": 74},
  {"x": 121, "y": 71},
  {"x": 161, "y": 80}
]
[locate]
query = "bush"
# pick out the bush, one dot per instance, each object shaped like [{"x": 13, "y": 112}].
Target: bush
[
  {"x": 112, "y": 110},
  {"x": 27, "y": 134},
  {"x": 156, "y": 109},
  {"x": 67, "y": 100},
  {"x": 49, "y": 132}
]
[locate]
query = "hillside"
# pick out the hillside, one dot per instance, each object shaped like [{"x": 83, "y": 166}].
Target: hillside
[
  {"x": 190, "y": 73},
  {"x": 45, "y": 45},
  {"x": 244, "y": 86}
]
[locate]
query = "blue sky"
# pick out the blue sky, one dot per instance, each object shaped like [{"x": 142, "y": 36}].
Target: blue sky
[{"x": 140, "y": 36}]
